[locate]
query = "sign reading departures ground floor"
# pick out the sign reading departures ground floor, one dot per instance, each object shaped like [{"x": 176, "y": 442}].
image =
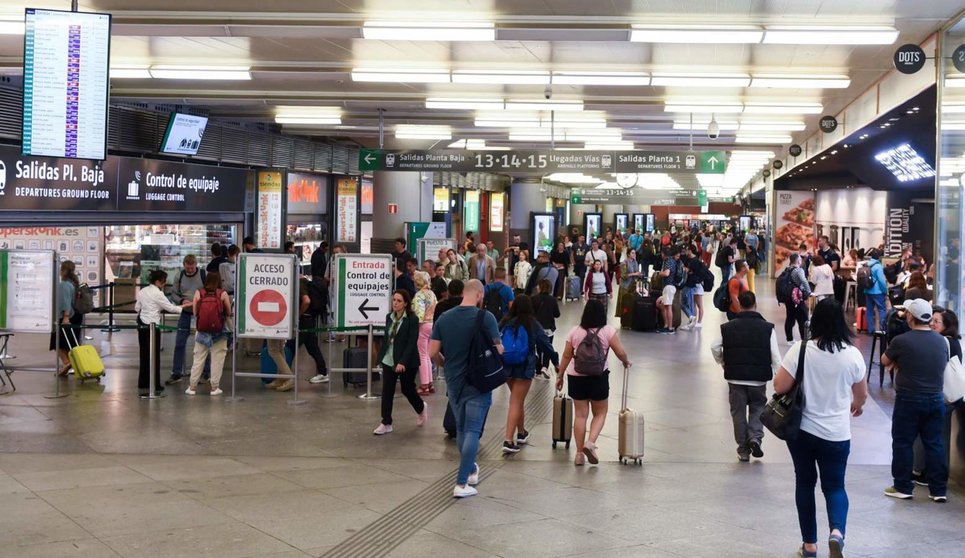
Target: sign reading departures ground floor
[
  {"x": 364, "y": 286},
  {"x": 543, "y": 162}
]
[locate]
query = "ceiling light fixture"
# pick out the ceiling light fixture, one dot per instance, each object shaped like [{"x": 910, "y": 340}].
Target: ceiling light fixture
[
  {"x": 703, "y": 108},
  {"x": 782, "y": 108},
  {"x": 429, "y": 31},
  {"x": 201, "y": 73},
  {"x": 503, "y": 77},
  {"x": 464, "y": 104},
  {"x": 601, "y": 78},
  {"x": 12, "y": 25},
  {"x": 129, "y": 72},
  {"x": 475, "y": 144},
  {"x": 801, "y": 82},
  {"x": 609, "y": 146},
  {"x": 772, "y": 126},
  {"x": 417, "y": 131},
  {"x": 700, "y": 80},
  {"x": 723, "y": 34},
  {"x": 762, "y": 139},
  {"x": 531, "y": 105},
  {"x": 308, "y": 116},
  {"x": 837, "y": 35},
  {"x": 393, "y": 75}
]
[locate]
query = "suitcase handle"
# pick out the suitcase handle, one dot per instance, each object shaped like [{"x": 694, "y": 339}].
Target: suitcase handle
[{"x": 626, "y": 386}]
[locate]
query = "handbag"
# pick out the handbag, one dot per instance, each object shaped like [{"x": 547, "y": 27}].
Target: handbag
[
  {"x": 954, "y": 384},
  {"x": 782, "y": 414}
]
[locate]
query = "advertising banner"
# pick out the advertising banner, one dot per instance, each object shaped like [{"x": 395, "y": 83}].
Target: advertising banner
[
  {"x": 910, "y": 222},
  {"x": 27, "y": 291},
  {"x": 364, "y": 286},
  {"x": 266, "y": 296},
  {"x": 592, "y": 226},
  {"x": 543, "y": 226},
  {"x": 307, "y": 194},
  {"x": 622, "y": 222},
  {"x": 794, "y": 213},
  {"x": 497, "y": 205},
  {"x": 81, "y": 245},
  {"x": 638, "y": 219},
  {"x": 346, "y": 210},
  {"x": 368, "y": 197},
  {"x": 269, "y": 217},
  {"x": 440, "y": 199}
]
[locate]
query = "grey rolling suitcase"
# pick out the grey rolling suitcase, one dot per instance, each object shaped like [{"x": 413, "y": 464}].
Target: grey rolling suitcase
[
  {"x": 562, "y": 420},
  {"x": 631, "y": 428},
  {"x": 573, "y": 287}
]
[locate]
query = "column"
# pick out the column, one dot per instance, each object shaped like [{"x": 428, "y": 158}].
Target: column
[
  {"x": 524, "y": 198},
  {"x": 411, "y": 192}
]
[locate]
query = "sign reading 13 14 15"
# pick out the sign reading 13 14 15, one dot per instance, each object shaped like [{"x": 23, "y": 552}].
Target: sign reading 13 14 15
[{"x": 511, "y": 161}]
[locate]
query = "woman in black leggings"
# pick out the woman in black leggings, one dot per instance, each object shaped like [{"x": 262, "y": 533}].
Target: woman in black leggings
[{"x": 399, "y": 358}]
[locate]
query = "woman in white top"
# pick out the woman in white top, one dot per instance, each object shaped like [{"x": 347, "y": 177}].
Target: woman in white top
[
  {"x": 150, "y": 303},
  {"x": 589, "y": 392},
  {"x": 834, "y": 389},
  {"x": 521, "y": 272},
  {"x": 823, "y": 278},
  {"x": 597, "y": 285},
  {"x": 424, "y": 306}
]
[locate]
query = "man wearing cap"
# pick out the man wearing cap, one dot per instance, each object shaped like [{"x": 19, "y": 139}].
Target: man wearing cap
[{"x": 918, "y": 358}]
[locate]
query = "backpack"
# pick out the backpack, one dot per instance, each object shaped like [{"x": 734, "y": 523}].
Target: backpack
[
  {"x": 515, "y": 344},
  {"x": 708, "y": 281},
  {"x": 865, "y": 279},
  {"x": 84, "y": 299},
  {"x": 722, "y": 298},
  {"x": 590, "y": 357},
  {"x": 721, "y": 260},
  {"x": 211, "y": 318},
  {"x": 484, "y": 368},
  {"x": 784, "y": 288},
  {"x": 316, "y": 296},
  {"x": 494, "y": 302}
]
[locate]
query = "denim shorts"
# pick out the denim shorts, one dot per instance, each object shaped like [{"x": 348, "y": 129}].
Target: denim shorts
[{"x": 520, "y": 372}]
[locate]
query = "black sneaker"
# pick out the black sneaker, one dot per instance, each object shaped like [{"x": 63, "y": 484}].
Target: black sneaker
[
  {"x": 172, "y": 380},
  {"x": 522, "y": 438},
  {"x": 756, "y": 450},
  {"x": 509, "y": 447},
  {"x": 919, "y": 479}
]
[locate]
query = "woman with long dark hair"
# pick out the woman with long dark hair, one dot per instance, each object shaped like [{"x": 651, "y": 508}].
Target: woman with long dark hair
[
  {"x": 835, "y": 388},
  {"x": 67, "y": 317},
  {"x": 399, "y": 358},
  {"x": 547, "y": 309},
  {"x": 522, "y": 336},
  {"x": 589, "y": 392},
  {"x": 150, "y": 303}
]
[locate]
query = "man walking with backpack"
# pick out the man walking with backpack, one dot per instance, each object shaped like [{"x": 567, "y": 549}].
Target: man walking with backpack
[
  {"x": 793, "y": 292},
  {"x": 674, "y": 277},
  {"x": 499, "y": 295},
  {"x": 871, "y": 279},
  {"x": 454, "y": 335},
  {"x": 747, "y": 349},
  {"x": 694, "y": 289}
]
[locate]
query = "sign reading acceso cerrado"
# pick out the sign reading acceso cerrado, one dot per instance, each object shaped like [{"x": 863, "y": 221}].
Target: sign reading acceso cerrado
[{"x": 266, "y": 296}]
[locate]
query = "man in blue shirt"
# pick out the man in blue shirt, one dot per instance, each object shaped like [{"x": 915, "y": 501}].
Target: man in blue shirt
[
  {"x": 452, "y": 336},
  {"x": 505, "y": 292},
  {"x": 875, "y": 294},
  {"x": 636, "y": 240}
]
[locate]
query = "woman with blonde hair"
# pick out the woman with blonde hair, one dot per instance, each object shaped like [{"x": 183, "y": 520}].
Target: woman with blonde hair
[{"x": 424, "y": 306}]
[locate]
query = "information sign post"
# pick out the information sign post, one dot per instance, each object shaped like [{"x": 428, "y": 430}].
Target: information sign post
[
  {"x": 428, "y": 248},
  {"x": 363, "y": 287},
  {"x": 266, "y": 307}
]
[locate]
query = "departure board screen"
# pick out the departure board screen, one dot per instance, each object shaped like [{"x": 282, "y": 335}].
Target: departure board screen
[{"x": 66, "y": 60}]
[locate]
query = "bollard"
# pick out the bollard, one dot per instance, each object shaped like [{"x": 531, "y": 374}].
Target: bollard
[{"x": 152, "y": 367}]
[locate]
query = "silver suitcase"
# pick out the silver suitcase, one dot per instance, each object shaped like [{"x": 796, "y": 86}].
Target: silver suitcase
[{"x": 631, "y": 428}]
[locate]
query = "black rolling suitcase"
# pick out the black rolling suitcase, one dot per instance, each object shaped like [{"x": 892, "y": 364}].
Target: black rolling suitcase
[
  {"x": 356, "y": 357},
  {"x": 644, "y": 313}
]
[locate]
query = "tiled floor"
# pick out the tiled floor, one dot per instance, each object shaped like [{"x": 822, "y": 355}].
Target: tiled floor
[{"x": 102, "y": 473}]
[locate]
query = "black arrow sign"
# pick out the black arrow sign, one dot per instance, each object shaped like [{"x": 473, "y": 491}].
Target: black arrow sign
[{"x": 365, "y": 309}]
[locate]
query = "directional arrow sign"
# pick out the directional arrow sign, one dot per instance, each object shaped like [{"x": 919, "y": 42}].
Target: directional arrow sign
[
  {"x": 363, "y": 287},
  {"x": 712, "y": 162}
]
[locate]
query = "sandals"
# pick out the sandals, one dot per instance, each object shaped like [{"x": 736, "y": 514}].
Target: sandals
[{"x": 580, "y": 460}]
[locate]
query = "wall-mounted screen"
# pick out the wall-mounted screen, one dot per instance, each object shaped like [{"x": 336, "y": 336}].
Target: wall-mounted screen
[
  {"x": 66, "y": 58},
  {"x": 183, "y": 134},
  {"x": 542, "y": 225}
]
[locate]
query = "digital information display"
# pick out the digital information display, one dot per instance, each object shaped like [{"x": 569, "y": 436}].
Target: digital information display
[
  {"x": 183, "y": 135},
  {"x": 65, "y": 84}
]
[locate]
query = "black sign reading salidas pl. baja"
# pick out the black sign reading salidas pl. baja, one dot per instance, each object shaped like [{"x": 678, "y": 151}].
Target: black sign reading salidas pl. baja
[
  {"x": 49, "y": 183},
  {"x": 152, "y": 185}
]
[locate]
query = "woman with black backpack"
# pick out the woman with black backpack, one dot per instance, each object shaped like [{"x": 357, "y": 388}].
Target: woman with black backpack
[
  {"x": 212, "y": 306},
  {"x": 521, "y": 335}
]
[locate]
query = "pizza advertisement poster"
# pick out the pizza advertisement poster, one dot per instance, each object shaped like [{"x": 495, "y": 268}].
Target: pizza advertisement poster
[{"x": 794, "y": 212}]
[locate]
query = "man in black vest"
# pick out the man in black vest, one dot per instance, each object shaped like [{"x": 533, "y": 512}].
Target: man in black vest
[{"x": 747, "y": 349}]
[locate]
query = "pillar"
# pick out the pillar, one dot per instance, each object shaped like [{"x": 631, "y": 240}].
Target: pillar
[
  {"x": 411, "y": 192},
  {"x": 524, "y": 198}
]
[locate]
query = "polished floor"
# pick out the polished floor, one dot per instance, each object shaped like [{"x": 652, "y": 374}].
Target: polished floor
[{"x": 101, "y": 473}]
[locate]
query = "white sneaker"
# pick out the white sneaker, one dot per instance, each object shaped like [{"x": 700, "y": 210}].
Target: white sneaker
[
  {"x": 686, "y": 327},
  {"x": 383, "y": 429},
  {"x": 474, "y": 477},
  {"x": 190, "y": 391},
  {"x": 464, "y": 491},
  {"x": 217, "y": 391},
  {"x": 698, "y": 325},
  {"x": 693, "y": 320},
  {"x": 422, "y": 417},
  {"x": 319, "y": 379}
]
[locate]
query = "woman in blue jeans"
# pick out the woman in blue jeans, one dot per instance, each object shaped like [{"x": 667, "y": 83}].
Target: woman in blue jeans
[{"x": 835, "y": 388}]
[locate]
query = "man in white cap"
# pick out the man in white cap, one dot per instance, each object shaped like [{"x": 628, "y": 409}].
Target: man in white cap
[{"x": 919, "y": 358}]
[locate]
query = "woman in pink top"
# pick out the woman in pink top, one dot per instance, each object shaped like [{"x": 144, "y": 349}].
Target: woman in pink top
[{"x": 589, "y": 392}]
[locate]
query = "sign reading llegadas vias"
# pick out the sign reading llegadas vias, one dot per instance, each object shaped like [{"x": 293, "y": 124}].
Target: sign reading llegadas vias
[{"x": 116, "y": 184}]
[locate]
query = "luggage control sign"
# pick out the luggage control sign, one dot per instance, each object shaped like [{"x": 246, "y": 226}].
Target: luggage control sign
[
  {"x": 363, "y": 284},
  {"x": 266, "y": 296}
]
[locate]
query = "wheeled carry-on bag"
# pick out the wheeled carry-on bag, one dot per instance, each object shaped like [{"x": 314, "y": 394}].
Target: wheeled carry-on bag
[
  {"x": 85, "y": 361},
  {"x": 644, "y": 314},
  {"x": 356, "y": 357},
  {"x": 631, "y": 428},
  {"x": 562, "y": 419},
  {"x": 267, "y": 363},
  {"x": 574, "y": 287}
]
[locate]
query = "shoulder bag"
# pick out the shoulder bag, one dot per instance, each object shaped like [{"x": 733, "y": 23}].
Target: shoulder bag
[
  {"x": 954, "y": 383},
  {"x": 782, "y": 414}
]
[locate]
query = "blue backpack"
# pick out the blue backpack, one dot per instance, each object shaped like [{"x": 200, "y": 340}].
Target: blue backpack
[{"x": 515, "y": 344}]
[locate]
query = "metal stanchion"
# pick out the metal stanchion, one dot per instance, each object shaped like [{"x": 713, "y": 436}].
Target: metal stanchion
[
  {"x": 111, "y": 328},
  {"x": 331, "y": 374},
  {"x": 367, "y": 396},
  {"x": 57, "y": 394},
  {"x": 152, "y": 365},
  {"x": 294, "y": 366}
]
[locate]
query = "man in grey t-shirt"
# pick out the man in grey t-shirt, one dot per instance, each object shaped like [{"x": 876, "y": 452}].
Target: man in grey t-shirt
[{"x": 919, "y": 357}]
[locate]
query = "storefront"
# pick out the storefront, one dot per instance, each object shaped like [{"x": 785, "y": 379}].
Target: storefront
[{"x": 308, "y": 215}]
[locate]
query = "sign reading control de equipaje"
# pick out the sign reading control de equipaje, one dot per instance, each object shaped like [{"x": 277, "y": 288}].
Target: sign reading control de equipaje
[
  {"x": 266, "y": 296},
  {"x": 363, "y": 284}
]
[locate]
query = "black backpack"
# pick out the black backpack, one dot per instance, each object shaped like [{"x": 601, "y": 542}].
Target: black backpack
[
  {"x": 494, "y": 302},
  {"x": 484, "y": 369},
  {"x": 722, "y": 298},
  {"x": 866, "y": 278},
  {"x": 317, "y": 297},
  {"x": 785, "y": 289},
  {"x": 708, "y": 281},
  {"x": 721, "y": 260}
]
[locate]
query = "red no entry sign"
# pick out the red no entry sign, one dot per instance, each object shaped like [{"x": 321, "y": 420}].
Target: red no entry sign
[{"x": 268, "y": 308}]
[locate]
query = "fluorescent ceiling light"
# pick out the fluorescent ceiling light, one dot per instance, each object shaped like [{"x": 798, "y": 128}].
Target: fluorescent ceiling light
[
  {"x": 783, "y": 108},
  {"x": 129, "y": 72},
  {"x": 953, "y": 125},
  {"x": 391, "y": 75},
  {"x": 11, "y": 25},
  {"x": 955, "y": 82},
  {"x": 704, "y": 108},
  {"x": 700, "y": 80},
  {"x": 953, "y": 108},
  {"x": 473, "y": 144},
  {"x": 308, "y": 120},
  {"x": 801, "y": 82},
  {"x": 464, "y": 104},
  {"x": 201, "y": 73},
  {"x": 772, "y": 126},
  {"x": 429, "y": 31},
  {"x": 294, "y": 115},
  {"x": 798, "y": 35},
  {"x": 724, "y": 34},
  {"x": 504, "y": 77},
  {"x": 751, "y": 154},
  {"x": 609, "y": 146},
  {"x": 561, "y": 106},
  {"x": 536, "y": 137},
  {"x": 905, "y": 163},
  {"x": 415, "y": 131},
  {"x": 572, "y": 178},
  {"x": 540, "y": 123},
  {"x": 702, "y": 126},
  {"x": 762, "y": 139},
  {"x": 710, "y": 180},
  {"x": 601, "y": 78}
]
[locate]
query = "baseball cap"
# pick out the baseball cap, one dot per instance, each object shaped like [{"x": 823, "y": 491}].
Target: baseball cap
[{"x": 919, "y": 308}]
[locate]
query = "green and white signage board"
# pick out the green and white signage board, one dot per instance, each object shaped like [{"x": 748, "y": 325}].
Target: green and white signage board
[
  {"x": 363, "y": 283},
  {"x": 266, "y": 301},
  {"x": 428, "y": 248},
  {"x": 27, "y": 291}
]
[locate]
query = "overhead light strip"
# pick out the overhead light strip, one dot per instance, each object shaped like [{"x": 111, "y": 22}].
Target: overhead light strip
[
  {"x": 429, "y": 31},
  {"x": 778, "y": 34},
  {"x": 400, "y": 76},
  {"x": 201, "y": 73}
]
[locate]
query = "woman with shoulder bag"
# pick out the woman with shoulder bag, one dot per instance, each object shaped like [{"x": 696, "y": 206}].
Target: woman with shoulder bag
[
  {"x": 399, "y": 358},
  {"x": 208, "y": 338},
  {"x": 589, "y": 392},
  {"x": 67, "y": 317},
  {"x": 835, "y": 388},
  {"x": 519, "y": 359}
]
